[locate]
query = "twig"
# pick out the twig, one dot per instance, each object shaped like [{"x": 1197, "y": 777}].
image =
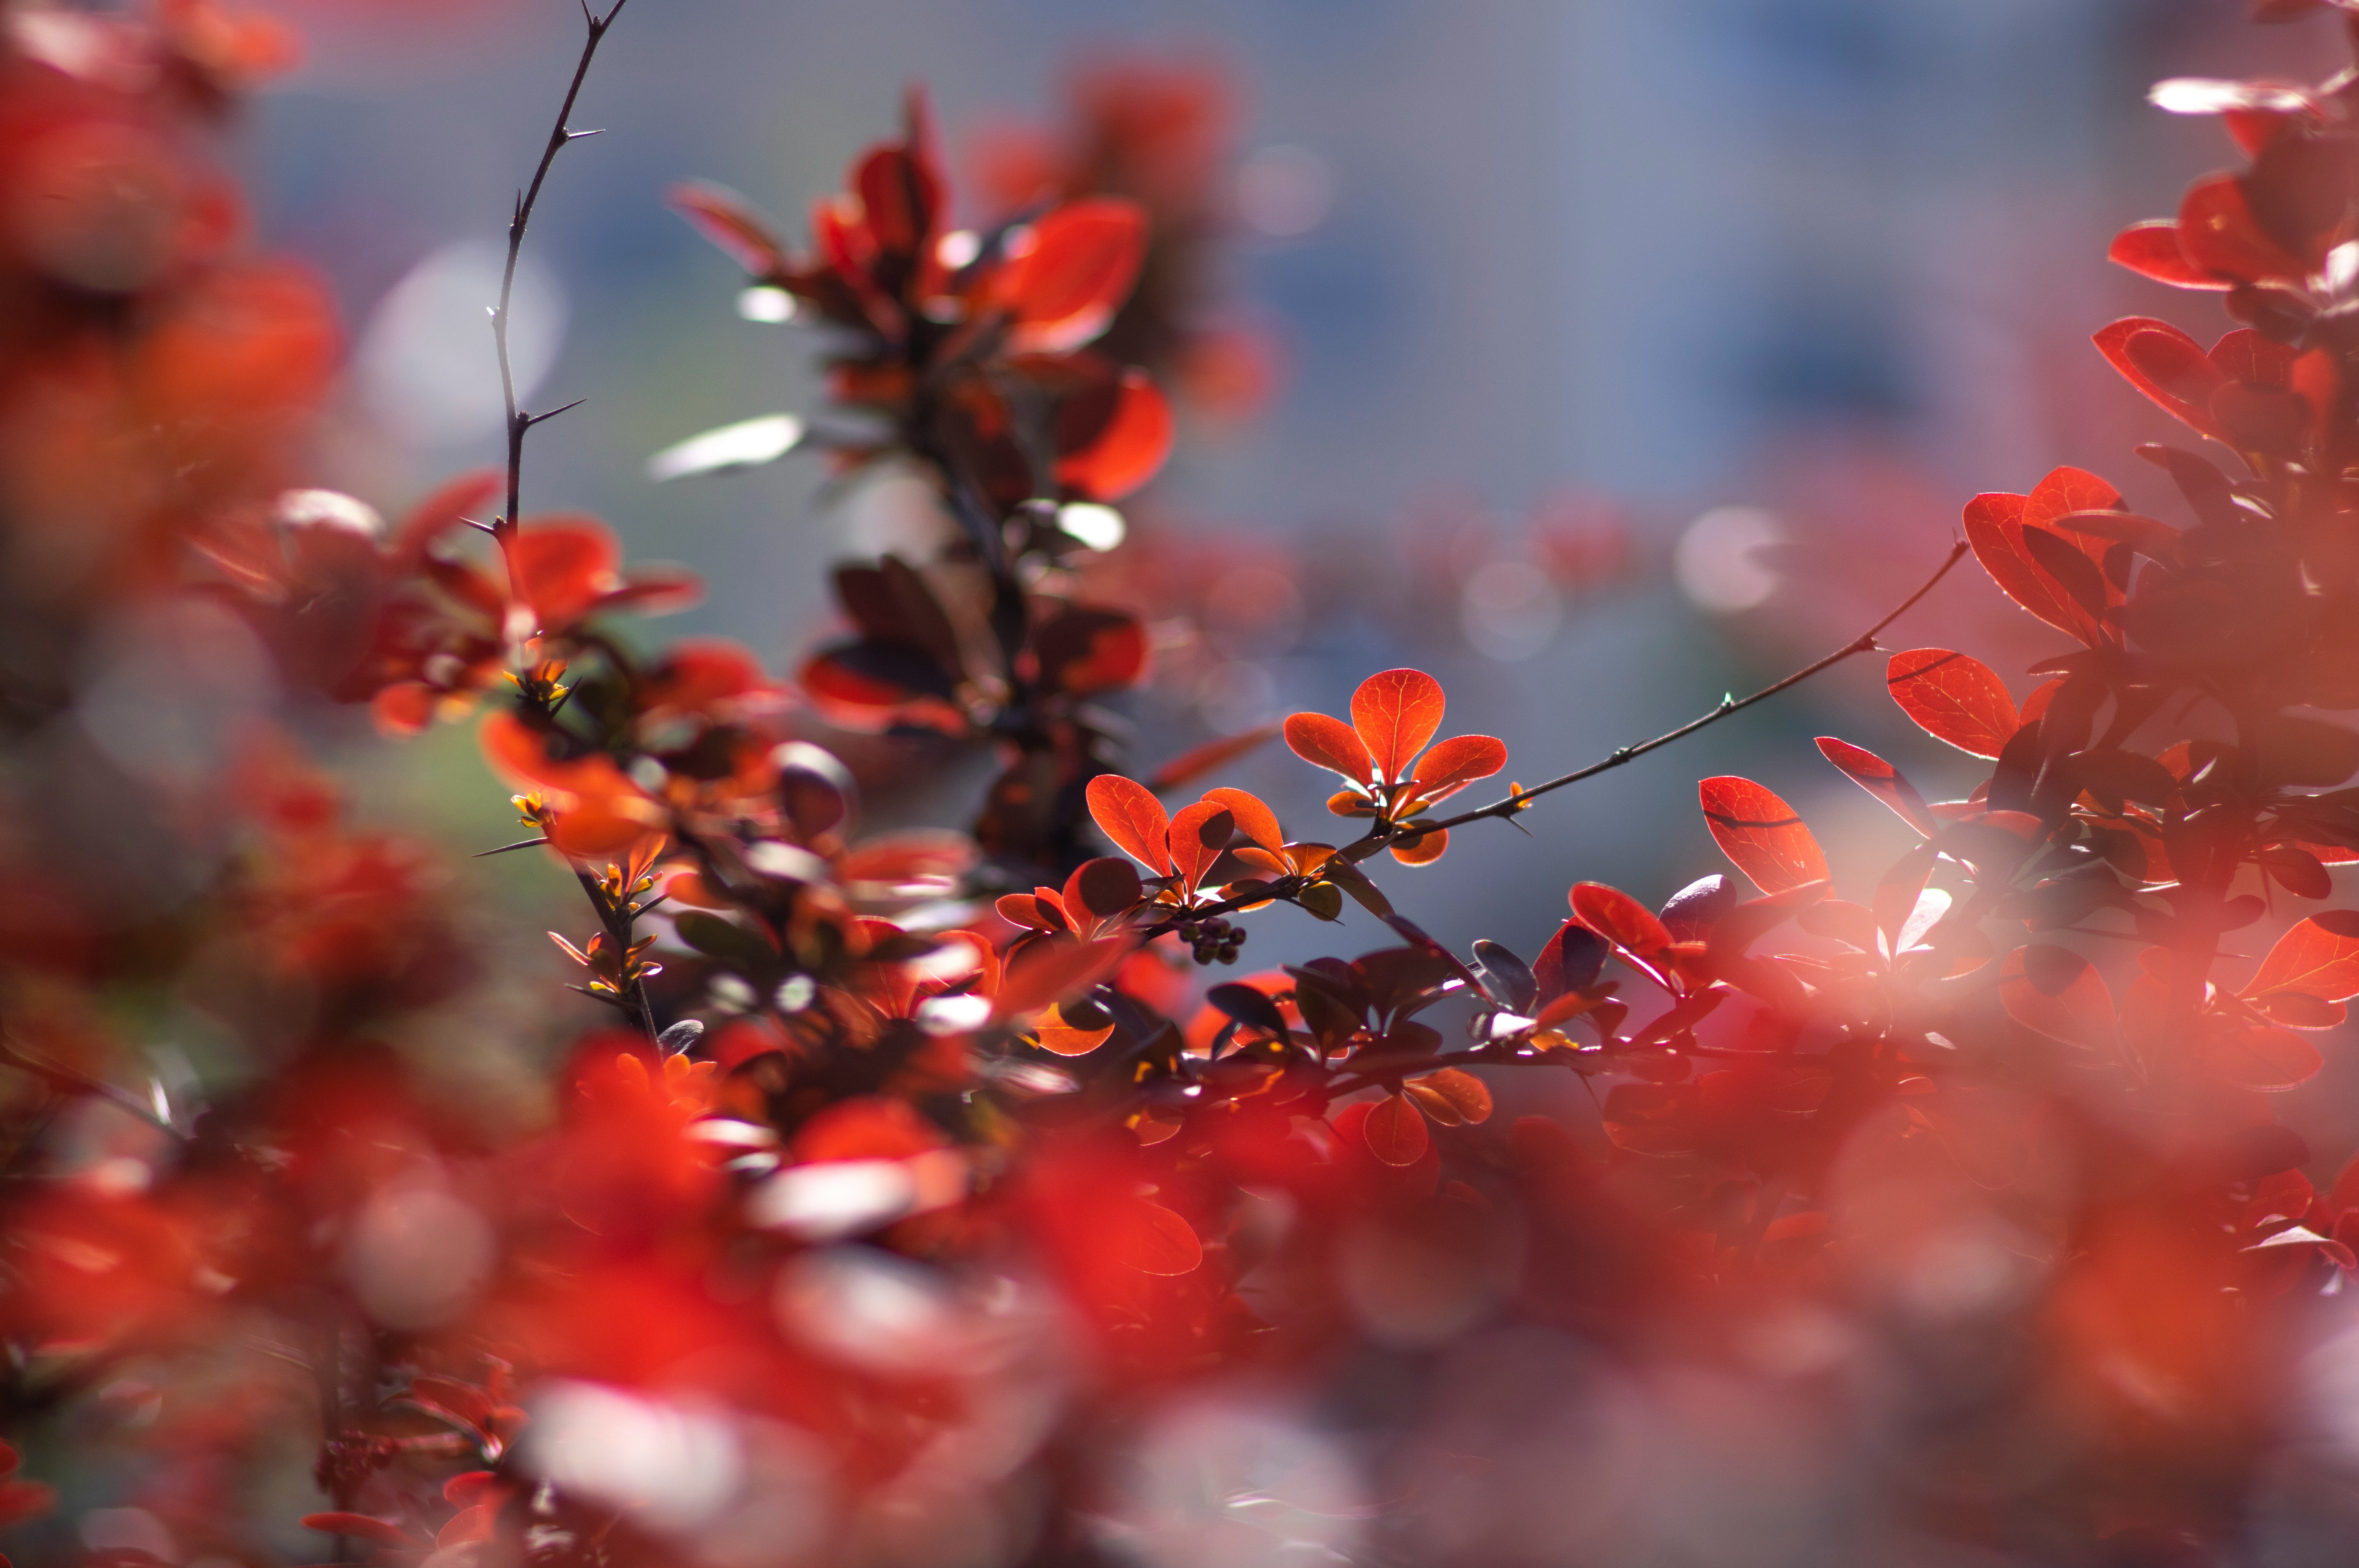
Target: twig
[
  {"x": 519, "y": 844},
  {"x": 1410, "y": 833},
  {"x": 504, "y": 527},
  {"x": 66, "y": 1078}
]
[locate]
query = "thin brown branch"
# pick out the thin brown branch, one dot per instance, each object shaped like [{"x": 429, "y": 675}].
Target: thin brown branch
[
  {"x": 67, "y": 1078},
  {"x": 519, "y": 423},
  {"x": 1410, "y": 833}
]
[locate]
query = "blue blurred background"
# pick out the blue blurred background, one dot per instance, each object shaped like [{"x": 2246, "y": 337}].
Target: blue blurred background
[{"x": 1785, "y": 279}]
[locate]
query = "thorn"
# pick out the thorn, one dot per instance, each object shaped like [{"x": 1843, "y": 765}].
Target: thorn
[
  {"x": 519, "y": 844},
  {"x": 530, "y": 420},
  {"x": 490, "y": 528},
  {"x": 577, "y": 135}
]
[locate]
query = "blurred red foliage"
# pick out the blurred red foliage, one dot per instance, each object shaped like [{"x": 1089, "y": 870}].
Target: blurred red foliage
[{"x": 896, "y": 1207}]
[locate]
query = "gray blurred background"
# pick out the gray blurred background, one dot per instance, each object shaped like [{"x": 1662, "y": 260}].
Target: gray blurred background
[{"x": 1785, "y": 279}]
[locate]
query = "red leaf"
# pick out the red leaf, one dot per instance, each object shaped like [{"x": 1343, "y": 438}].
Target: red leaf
[
  {"x": 1198, "y": 761},
  {"x": 2058, "y": 993},
  {"x": 1153, "y": 1239},
  {"x": 2245, "y": 355},
  {"x": 1457, "y": 763},
  {"x": 1394, "y": 1130},
  {"x": 1084, "y": 650},
  {"x": 1619, "y": 918},
  {"x": 1128, "y": 812},
  {"x": 2151, "y": 249},
  {"x": 1031, "y": 912},
  {"x": 1953, "y": 697},
  {"x": 2261, "y": 1057},
  {"x": 2320, "y": 958},
  {"x": 1330, "y": 743},
  {"x": 1065, "y": 289},
  {"x": 1424, "y": 849},
  {"x": 2218, "y": 232},
  {"x": 440, "y": 511},
  {"x": 729, "y": 221},
  {"x": 1052, "y": 970},
  {"x": 1101, "y": 888},
  {"x": 564, "y": 567},
  {"x": 1762, "y": 834},
  {"x": 2063, "y": 491},
  {"x": 1465, "y": 1093},
  {"x": 1882, "y": 780},
  {"x": 1128, "y": 449},
  {"x": 2083, "y": 581},
  {"x": 1255, "y": 820},
  {"x": 1396, "y": 712},
  {"x": 477, "y": 1522},
  {"x": 465, "y": 1491},
  {"x": 405, "y": 707},
  {"x": 898, "y": 196},
  {"x": 1199, "y": 833},
  {"x": 1994, "y": 528},
  {"x": 360, "y": 1526},
  {"x": 2166, "y": 364}
]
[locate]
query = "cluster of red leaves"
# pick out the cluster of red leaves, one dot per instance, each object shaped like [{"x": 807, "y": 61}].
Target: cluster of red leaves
[{"x": 897, "y": 1191}]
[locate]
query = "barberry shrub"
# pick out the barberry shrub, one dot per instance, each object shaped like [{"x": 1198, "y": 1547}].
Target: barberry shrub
[{"x": 917, "y": 1189}]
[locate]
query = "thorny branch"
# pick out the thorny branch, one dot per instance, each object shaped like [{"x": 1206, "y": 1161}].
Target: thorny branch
[
  {"x": 1410, "y": 832},
  {"x": 615, "y": 920},
  {"x": 519, "y": 423}
]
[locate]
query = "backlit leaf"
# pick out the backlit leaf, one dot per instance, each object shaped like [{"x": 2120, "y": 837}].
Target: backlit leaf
[
  {"x": 2082, "y": 579},
  {"x": 2166, "y": 364},
  {"x": 2218, "y": 231},
  {"x": 1050, "y": 970},
  {"x": 1198, "y": 835},
  {"x": 1153, "y": 1239},
  {"x": 1082, "y": 261},
  {"x": 1458, "y": 761},
  {"x": 2319, "y": 956},
  {"x": 1330, "y": 744},
  {"x": 1993, "y": 524},
  {"x": 1953, "y": 697},
  {"x": 1619, "y": 918},
  {"x": 1025, "y": 909},
  {"x": 2151, "y": 249},
  {"x": 1084, "y": 650},
  {"x": 1395, "y": 713},
  {"x": 1424, "y": 849},
  {"x": 1394, "y": 1130},
  {"x": 1466, "y": 1092},
  {"x": 361, "y": 1527},
  {"x": 2260, "y": 1056},
  {"x": 1882, "y": 780},
  {"x": 1762, "y": 834},
  {"x": 729, "y": 221},
  {"x": 2058, "y": 993},
  {"x": 1128, "y": 449},
  {"x": 1198, "y": 761},
  {"x": 1255, "y": 820},
  {"x": 1060, "y": 1038},
  {"x": 1127, "y": 813}
]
